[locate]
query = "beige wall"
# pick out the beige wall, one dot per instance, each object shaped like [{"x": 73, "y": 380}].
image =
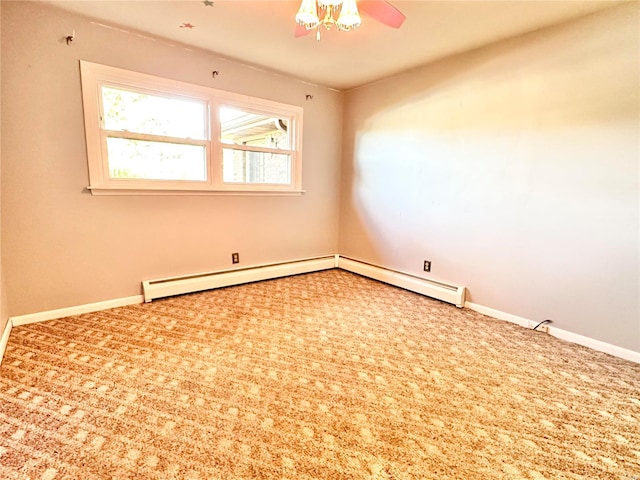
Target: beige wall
[
  {"x": 62, "y": 246},
  {"x": 514, "y": 169}
]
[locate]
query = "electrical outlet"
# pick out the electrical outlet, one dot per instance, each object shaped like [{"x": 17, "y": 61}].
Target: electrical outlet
[
  {"x": 235, "y": 258},
  {"x": 539, "y": 327},
  {"x": 427, "y": 265}
]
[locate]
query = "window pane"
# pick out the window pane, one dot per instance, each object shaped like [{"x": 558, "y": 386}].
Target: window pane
[
  {"x": 138, "y": 159},
  {"x": 143, "y": 113},
  {"x": 239, "y": 166},
  {"x": 257, "y": 130}
]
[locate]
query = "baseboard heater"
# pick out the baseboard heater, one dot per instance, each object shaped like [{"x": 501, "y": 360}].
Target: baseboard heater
[
  {"x": 430, "y": 288},
  {"x": 167, "y": 287}
]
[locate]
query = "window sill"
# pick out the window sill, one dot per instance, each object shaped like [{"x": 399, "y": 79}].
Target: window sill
[{"x": 160, "y": 191}]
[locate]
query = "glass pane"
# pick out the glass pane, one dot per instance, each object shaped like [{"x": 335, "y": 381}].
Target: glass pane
[
  {"x": 239, "y": 166},
  {"x": 252, "y": 129},
  {"x": 138, "y": 159},
  {"x": 143, "y": 113}
]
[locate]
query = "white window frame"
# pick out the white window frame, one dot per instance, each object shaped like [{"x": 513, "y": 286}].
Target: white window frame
[{"x": 94, "y": 76}]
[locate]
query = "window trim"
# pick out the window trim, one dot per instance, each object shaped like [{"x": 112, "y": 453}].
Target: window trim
[{"x": 94, "y": 76}]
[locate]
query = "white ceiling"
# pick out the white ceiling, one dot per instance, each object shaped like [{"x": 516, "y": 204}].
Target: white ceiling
[{"x": 262, "y": 32}]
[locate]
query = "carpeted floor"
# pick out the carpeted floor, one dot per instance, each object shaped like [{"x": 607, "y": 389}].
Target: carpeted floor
[{"x": 320, "y": 376}]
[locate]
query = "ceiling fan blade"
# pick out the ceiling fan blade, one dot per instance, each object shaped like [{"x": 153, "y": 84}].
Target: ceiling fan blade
[
  {"x": 301, "y": 31},
  {"x": 382, "y": 11}
]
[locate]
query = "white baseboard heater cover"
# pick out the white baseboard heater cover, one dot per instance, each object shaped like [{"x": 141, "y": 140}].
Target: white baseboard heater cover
[
  {"x": 440, "y": 291},
  {"x": 166, "y": 287}
]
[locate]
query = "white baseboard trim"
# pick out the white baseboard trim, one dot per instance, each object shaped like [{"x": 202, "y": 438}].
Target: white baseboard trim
[
  {"x": 5, "y": 339},
  {"x": 77, "y": 310},
  {"x": 614, "y": 350},
  {"x": 491, "y": 312},
  {"x": 598, "y": 345}
]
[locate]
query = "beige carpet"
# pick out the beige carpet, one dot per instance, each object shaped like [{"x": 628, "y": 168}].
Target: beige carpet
[{"x": 324, "y": 376}]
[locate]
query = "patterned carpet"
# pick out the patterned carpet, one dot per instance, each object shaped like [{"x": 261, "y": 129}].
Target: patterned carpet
[{"x": 320, "y": 376}]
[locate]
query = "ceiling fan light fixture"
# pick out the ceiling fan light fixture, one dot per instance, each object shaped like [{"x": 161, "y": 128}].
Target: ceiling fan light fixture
[
  {"x": 349, "y": 16},
  {"x": 341, "y": 13},
  {"x": 308, "y": 14}
]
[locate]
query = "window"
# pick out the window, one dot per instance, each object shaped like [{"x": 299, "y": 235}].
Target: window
[
  {"x": 256, "y": 147},
  {"x": 147, "y": 134}
]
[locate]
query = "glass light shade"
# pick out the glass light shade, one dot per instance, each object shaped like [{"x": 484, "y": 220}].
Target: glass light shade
[
  {"x": 349, "y": 17},
  {"x": 308, "y": 14}
]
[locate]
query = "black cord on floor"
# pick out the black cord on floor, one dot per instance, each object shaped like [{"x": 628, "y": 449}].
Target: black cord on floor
[{"x": 542, "y": 322}]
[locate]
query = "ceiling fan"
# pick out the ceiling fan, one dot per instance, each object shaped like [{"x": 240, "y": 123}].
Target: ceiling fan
[{"x": 343, "y": 15}]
